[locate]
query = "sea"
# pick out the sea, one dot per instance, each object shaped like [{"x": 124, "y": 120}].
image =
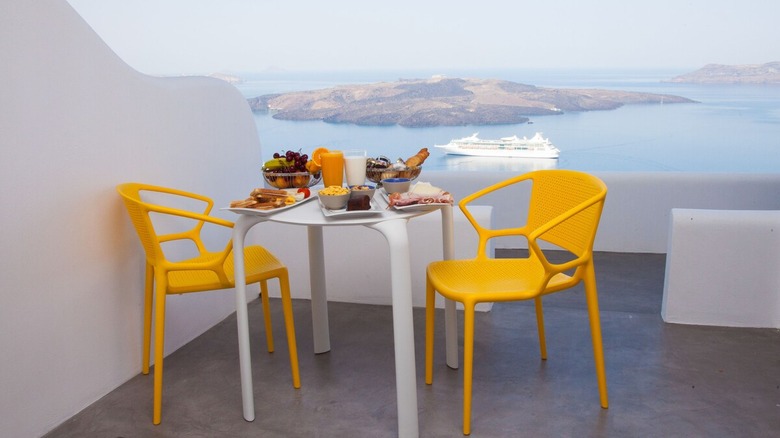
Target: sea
[{"x": 730, "y": 128}]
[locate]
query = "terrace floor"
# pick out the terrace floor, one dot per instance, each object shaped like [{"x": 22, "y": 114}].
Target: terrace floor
[{"x": 664, "y": 380}]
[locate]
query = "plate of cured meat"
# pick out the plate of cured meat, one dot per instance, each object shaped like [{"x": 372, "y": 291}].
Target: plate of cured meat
[{"x": 422, "y": 196}]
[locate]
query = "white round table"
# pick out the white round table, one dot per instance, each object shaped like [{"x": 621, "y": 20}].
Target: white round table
[{"x": 392, "y": 224}]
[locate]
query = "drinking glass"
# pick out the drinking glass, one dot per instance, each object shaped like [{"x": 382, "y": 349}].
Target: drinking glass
[
  {"x": 355, "y": 166},
  {"x": 332, "y": 168}
]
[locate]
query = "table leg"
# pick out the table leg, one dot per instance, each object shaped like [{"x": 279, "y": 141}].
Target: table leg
[
  {"x": 241, "y": 227},
  {"x": 403, "y": 325},
  {"x": 319, "y": 298},
  {"x": 450, "y": 312}
]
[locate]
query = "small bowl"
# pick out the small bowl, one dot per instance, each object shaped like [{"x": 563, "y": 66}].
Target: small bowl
[
  {"x": 396, "y": 185},
  {"x": 362, "y": 190},
  {"x": 334, "y": 202}
]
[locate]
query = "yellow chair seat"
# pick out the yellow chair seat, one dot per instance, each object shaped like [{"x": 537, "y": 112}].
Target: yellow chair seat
[
  {"x": 260, "y": 264},
  {"x": 491, "y": 280}
]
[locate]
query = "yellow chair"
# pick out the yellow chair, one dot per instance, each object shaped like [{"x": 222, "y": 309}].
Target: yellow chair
[
  {"x": 207, "y": 271},
  {"x": 563, "y": 213}
]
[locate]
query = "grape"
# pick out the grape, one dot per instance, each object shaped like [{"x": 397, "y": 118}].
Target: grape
[{"x": 296, "y": 158}]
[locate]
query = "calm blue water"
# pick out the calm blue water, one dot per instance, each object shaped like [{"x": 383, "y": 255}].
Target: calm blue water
[{"x": 731, "y": 129}]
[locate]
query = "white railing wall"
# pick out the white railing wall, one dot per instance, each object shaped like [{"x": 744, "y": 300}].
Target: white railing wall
[{"x": 636, "y": 213}]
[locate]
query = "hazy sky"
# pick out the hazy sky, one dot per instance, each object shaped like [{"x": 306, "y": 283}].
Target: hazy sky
[{"x": 206, "y": 36}]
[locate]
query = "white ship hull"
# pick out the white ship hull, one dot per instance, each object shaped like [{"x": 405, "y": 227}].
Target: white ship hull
[{"x": 510, "y": 147}]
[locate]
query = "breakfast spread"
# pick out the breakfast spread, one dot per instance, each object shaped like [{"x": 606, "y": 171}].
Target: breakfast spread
[
  {"x": 268, "y": 199},
  {"x": 421, "y": 193},
  {"x": 290, "y": 173}
]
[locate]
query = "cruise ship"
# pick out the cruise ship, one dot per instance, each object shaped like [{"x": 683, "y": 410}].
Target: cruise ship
[{"x": 535, "y": 147}]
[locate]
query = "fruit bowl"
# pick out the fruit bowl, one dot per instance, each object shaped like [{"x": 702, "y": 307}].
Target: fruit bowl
[
  {"x": 283, "y": 180},
  {"x": 376, "y": 175}
]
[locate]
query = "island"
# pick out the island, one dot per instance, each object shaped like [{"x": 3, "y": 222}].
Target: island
[
  {"x": 444, "y": 101},
  {"x": 757, "y": 74},
  {"x": 230, "y": 79}
]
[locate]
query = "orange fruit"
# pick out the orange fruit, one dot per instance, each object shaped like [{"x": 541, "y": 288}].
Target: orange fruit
[
  {"x": 300, "y": 181},
  {"x": 312, "y": 167},
  {"x": 316, "y": 155}
]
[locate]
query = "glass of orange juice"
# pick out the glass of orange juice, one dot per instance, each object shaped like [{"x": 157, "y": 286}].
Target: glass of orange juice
[{"x": 332, "y": 168}]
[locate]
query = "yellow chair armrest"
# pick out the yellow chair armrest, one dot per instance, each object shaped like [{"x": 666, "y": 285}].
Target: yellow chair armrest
[
  {"x": 184, "y": 235},
  {"x": 189, "y": 214},
  {"x": 485, "y": 234}
]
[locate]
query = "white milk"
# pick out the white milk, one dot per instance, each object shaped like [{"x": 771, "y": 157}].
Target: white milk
[{"x": 355, "y": 170}]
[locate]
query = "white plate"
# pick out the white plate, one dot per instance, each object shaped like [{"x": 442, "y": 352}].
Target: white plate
[
  {"x": 257, "y": 212},
  {"x": 414, "y": 207},
  {"x": 375, "y": 209}
]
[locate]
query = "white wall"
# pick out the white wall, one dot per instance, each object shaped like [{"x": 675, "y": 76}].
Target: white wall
[
  {"x": 75, "y": 122},
  {"x": 636, "y": 212},
  {"x": 722, "y": 268},
  {"x": 635, "y": 219}
]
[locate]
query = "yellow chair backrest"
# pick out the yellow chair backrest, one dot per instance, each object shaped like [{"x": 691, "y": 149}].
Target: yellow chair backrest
[
  {"x": 140, "y": 212},
  {"x": 564, "y": 210}
]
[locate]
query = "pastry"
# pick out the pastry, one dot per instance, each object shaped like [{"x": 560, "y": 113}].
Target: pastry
[
  {"x": 418, "y": 158},
  {"x": 359, "y": 203}
]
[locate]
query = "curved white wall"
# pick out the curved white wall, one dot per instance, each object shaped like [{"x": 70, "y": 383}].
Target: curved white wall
[{"x": 76, "y": 121}]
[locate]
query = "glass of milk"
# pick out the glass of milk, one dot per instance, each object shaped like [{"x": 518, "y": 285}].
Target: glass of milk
[{"x": 355, "y": 166}]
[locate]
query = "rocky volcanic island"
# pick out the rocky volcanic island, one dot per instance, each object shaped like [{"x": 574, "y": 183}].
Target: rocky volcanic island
[
  {"x": 443, "y": 101},
  {"x": 754, "y": 74}
]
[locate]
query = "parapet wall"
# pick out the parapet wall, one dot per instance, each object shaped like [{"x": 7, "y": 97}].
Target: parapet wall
[{"x": 636, "y": 213}]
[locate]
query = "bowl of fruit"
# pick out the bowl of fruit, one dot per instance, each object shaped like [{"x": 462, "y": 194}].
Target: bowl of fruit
[{"x": 291, "y": 170}]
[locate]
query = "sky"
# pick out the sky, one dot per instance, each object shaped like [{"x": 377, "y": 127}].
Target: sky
[{"x": 235, "y": 36}]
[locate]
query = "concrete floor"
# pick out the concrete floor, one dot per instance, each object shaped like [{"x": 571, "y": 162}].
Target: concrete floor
[{"x": 664, "y": 380}]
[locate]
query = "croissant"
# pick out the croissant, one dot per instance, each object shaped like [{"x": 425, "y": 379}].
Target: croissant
[{"x": 418, "y": 159}]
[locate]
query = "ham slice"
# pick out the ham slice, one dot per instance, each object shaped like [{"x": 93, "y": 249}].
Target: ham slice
[{"x": 422, "y": 193}]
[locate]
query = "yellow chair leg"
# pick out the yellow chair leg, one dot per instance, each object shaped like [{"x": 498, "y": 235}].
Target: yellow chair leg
[
  {"x": 540, "y": 327},
  {"x": 468, "y": 364},
  {"x": 159, "y": 349},
  {"x": 591, "y": 296},
  {"x": 269, "y": 335},
  {"x": 289, "y": 325},
  {"x": 148, "y": 294},
  {"x": 430, "y": 312}
]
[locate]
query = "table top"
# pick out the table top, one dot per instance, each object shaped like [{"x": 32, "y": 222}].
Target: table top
[{"x": 310, "y": 213}]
